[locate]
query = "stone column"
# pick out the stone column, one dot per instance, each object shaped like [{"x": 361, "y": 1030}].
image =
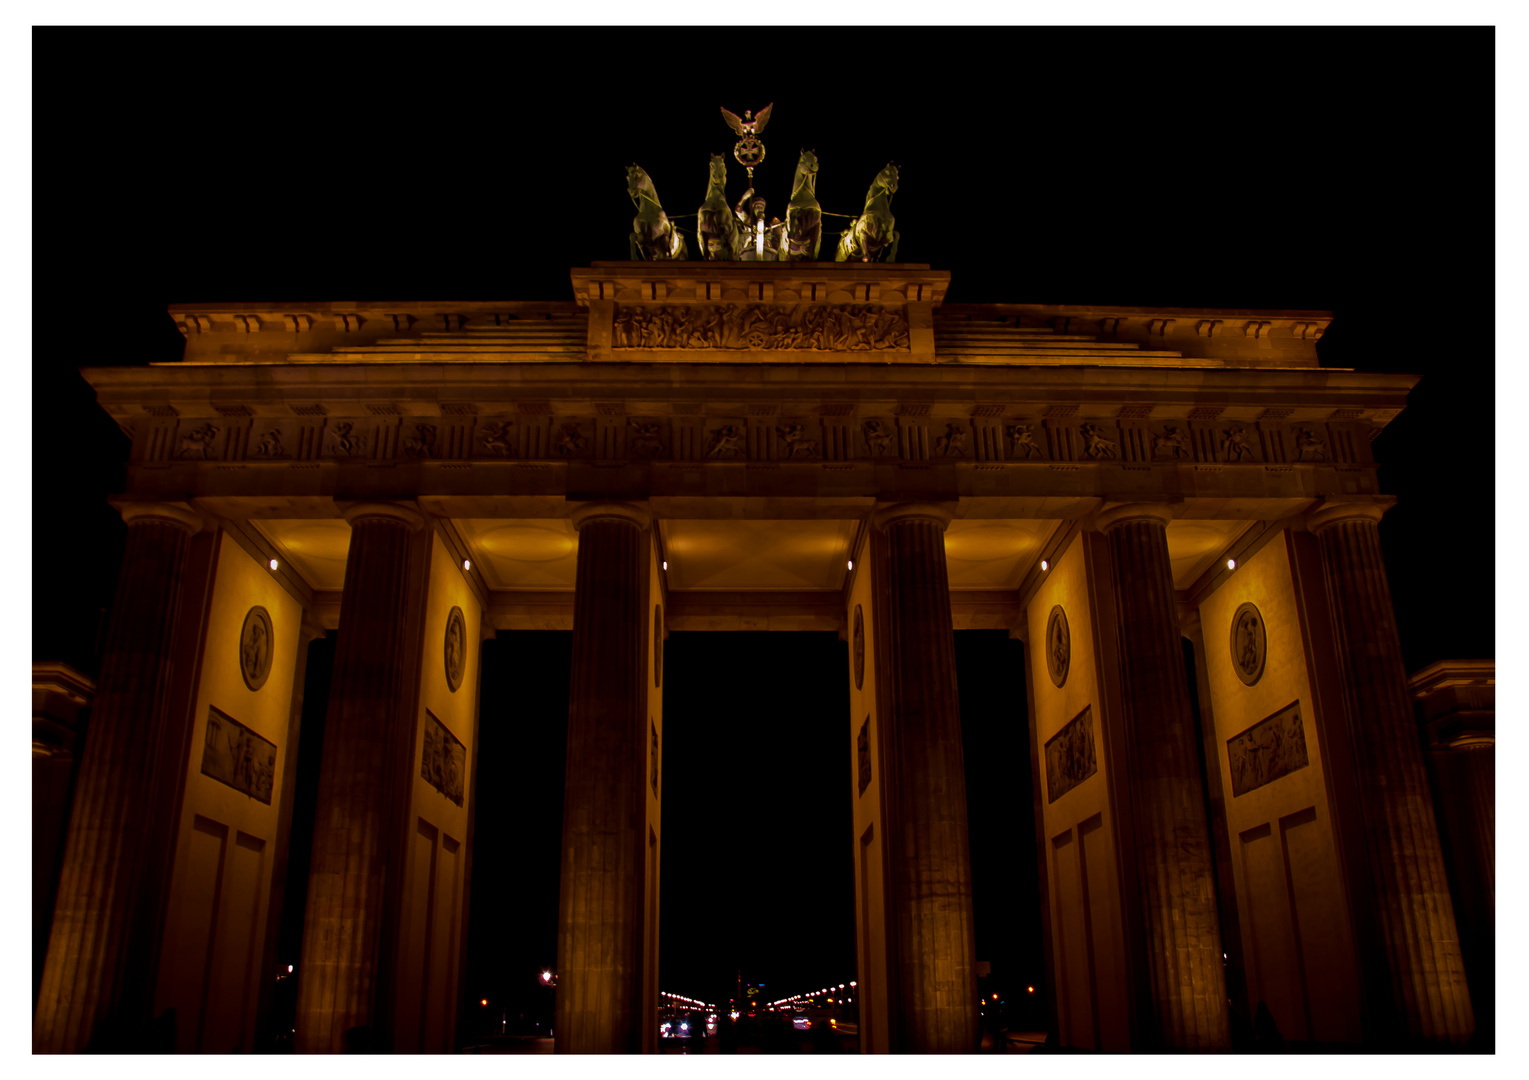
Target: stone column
[
  {"x": 930, "y": 881},
  {"x": 1423, "y": 997},
  {"x": 1185, "y": 1007},
  {"x": 81, "y": 1000},
  {"x": 1215, "y": 799},
  {"x": 349, "y": 932},
  {"x": 600, "y": 900}
]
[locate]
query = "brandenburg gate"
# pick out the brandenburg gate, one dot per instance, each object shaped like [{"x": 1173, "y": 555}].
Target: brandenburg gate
[{"x": 769, "y": 445}]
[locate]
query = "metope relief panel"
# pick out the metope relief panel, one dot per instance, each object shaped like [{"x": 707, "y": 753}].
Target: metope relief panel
[
  {"x": 1272, "y": 748},
  {"x": 444, "y": 762},
  {"x": 802, "y": 327},
  {"x": 232, "y": 754},
  {"x": 1070, "y": 755}
]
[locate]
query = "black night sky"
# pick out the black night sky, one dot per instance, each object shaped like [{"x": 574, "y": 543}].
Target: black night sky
[{"x": 1341, "y": 170}]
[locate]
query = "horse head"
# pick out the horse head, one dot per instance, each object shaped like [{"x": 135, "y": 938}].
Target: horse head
[
  {"x": 807, "y": 166},
  {"x": 638, "y": 184},
  {"x": 718, "y": 174},
  {"x": 886, "y": 179}
]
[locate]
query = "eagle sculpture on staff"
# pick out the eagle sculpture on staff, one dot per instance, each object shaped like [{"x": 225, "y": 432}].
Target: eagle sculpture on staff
[{"x": 749, "y": 150}]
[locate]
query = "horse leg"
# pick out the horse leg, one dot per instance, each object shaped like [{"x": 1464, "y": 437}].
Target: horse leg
[
  {"x": 634, "y": 244},
  {"x": 892, "y": 255}
]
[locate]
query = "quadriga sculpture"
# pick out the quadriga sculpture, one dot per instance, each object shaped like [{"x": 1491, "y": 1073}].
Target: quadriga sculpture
[
  {"x": 804, "y": 217},
  {"x": 871, "y": 238},
  {"x": 653, "y": 235},
  {"x": 716, "y": 224}
]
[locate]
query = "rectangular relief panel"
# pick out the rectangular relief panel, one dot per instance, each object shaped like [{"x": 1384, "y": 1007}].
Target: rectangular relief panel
[
  {"x": 440, "y": 971},
  {"x": 227, "y": 1012},
  {"x": 1075, "y": 1007},
  {"x": 1272, "y": 748},
  {"x": 234, "y": 755},
  {"x": 1276, "y": 976},
  {"x": 1111, "y": 1010},
  {"x": 1070, "y": 755},
  {"x": 444, "y": 764}
]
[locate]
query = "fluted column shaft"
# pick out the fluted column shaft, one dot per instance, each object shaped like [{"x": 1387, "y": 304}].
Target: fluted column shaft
[
  {"x": 344, "y": 971},
  {"x": 1175, "y": 872},
  {"x": 100, "y": 881},
  {"x": 1413, "y": 915},
  {"x": 930, "y": 860},
  {"x": 600, "y": 891}
]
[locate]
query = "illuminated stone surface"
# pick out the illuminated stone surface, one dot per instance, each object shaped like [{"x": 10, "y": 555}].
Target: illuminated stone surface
[{"x": 758, "y": 474}]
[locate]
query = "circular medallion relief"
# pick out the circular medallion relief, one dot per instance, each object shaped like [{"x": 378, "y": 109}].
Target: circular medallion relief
[
  {"x": 658, "y": 644},
  {"x": 456, "y": 648},
  {"x": 256, "y": 645},
  {"x": 1058, "y": 646},
  {"x": 859, "y": 648},
  {"x": 1248, "y": 643}
]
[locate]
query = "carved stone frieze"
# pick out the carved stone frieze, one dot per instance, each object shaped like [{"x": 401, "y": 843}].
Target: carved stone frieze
[
  {"x": 497, "y": 437},
  {"x": 808, "y": 327},
  {"x": 647, "y": 437},
  {"x": 1095, "y": 445},
  {"x": 879, "y": 438},
  {"x": 795, "y": 442},
  {"x": 198, "y": 444},
  {"x": 443, "y": 765},
  {"x": 1236, "y": 446},
  {"x": 1272, "y": 748},
  {"x": 1070, "y": 755},
  {"x": 1022, "y": 444},
  {"x": 345, "y": 440}
]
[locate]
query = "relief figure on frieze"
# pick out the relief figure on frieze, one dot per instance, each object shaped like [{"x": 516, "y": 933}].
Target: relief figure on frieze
[
  {"x": 1022, "y": 442},
  {"x": 647, "y": 438},
  {"x": 270, "y": 446},
  {"x": 443, "y": 762},
  {"x": 495, "y": 437},
  {"x": 570, "y": 440},
  {"x": 1270, "y": 749},
  {"x": 1070, "y": 756},
  {"x": 347, "y": 440},
  {"x": 422, "y": 442},
  {"x": 726, "y": 442},
  {"x": 1235, "y": 445},
  {"x": 1095, "y": 445},
  {"x": 856, "y": 327},
  {"x": 198, "y": 444},
  {"x": 953, "y": 442},
  {"x": 1171, "y": 443},
  {"x": 878, "y": 437},
  {"x": 1312, "y": 447},
  {"x": 797, "y": 443}
]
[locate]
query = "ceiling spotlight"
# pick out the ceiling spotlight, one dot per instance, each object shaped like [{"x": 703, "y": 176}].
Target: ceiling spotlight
[
  {"x": 852, "y": 564},
  {"x": 666, "y": 564},
  {"x": 467, "y": 564},
  {"x": 1231, "y": 564},
  {"x": 274, "y": 564},
  {"x": 1045, "y": 565}
]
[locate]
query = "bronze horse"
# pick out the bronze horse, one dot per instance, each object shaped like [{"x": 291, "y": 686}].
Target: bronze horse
[
  {"x": 804, "y": 217},
  {"x": 653, "y": 236},
  {"x": 716, "y": 224},
  {"x": 871, "y": 237}
]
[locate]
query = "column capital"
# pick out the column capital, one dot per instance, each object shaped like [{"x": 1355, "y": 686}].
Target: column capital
[
  {"x": 182, "y": 514},
  {"x": 891, "y": 513},
  {"x": 409, "y": 515},
  {"x": 309, "y": 631},
  {"x": 1336, "y": 508},
  {"x": 632, "y": 512},
  {"x": 1189, "y": 622},
  {"x": 1118, "y": 513}
]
